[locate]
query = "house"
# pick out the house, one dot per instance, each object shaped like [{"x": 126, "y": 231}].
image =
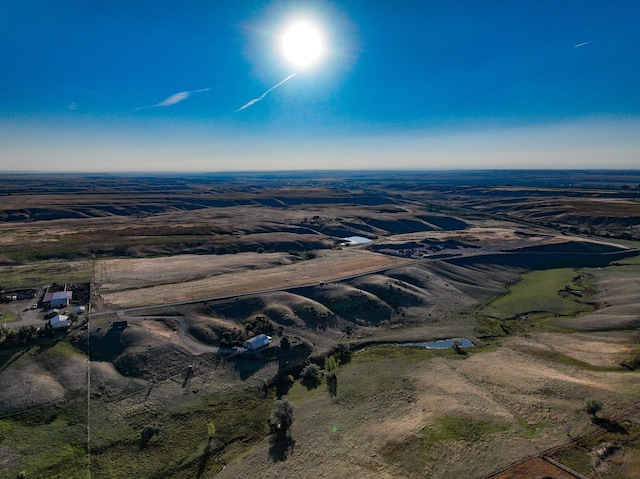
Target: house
[
  {"x": 58, "y": 298},
  {"x": 257, "y": 342},
  {"x": 59, "y": 321}
]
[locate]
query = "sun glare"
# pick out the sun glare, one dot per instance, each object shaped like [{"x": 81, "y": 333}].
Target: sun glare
[{"x": 302, "y": 44}]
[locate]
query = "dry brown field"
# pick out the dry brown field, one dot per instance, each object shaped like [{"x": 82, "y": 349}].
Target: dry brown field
[{"x": 243, "y": 273}]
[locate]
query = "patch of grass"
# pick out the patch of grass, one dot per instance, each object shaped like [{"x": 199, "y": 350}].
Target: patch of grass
[
  {"x": 8, "y": 317},
  {"x": 633, "y": 260},
  {"x": 538, "y": 291},
  {"x": 178, "y": 451},
  {"x": 529, "y": 430},
  {"x": 50, "y": 442},
  {"x": 414, "y": 455},
  {"x": 46, "y": 272},
  {"x": 299, "y": 393},
  {"x": 456, "y": 428},
  {"x": 490, "y": 327},
  {"x": 560, "y": 358},
  {"x": 398, "y": 353}
]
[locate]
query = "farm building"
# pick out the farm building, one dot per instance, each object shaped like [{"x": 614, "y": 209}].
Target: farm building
[
  {"x": 257, "y": 342},
  {"x": 78, "y": 309},
  {"x": 58, "y": 298},
  {"x": 60, "y": 322}
]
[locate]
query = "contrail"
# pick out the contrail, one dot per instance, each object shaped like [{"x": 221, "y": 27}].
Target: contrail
[
  {"x": 581, "y": 44},
  {"x": 173, "y": 99},
  {"x": 261, "y": 97}
]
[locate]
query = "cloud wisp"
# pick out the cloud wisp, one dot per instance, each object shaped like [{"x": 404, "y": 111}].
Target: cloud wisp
[
  {"x": 89, "y": 92},
  {"x": 261, "y": 97},
  {"x": 581, "y": 44},
  {"x": 173, "y": 99}
]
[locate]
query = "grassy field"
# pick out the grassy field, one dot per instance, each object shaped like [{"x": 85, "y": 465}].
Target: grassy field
[
  {"x": 180, "y": 450},
  {"x": 46, "y": 272},
  {"x": 47, "y": 440},
  {"x": 546, "y": 292},
  {"x": 405, "y": 412}
]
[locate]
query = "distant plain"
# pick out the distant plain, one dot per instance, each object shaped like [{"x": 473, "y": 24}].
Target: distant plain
[{"x": 540, "y": 271}]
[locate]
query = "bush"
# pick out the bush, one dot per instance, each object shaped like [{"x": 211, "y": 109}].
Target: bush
[
  {"x": 281, "y": 417},
  {"x": 310, "y": 376},
  {"x": 592, "y": 407}
]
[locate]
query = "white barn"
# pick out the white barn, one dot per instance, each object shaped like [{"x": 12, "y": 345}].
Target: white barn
[
  {"x": 257, "y": 342},
  {"x": 60, "y": 321}
]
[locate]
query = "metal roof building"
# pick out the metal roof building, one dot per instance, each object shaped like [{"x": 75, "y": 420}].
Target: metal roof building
[
  {"x": 257, "y": 342},
  {"x": 60, "y": 322},
  {"x": 59, "y": 298}
]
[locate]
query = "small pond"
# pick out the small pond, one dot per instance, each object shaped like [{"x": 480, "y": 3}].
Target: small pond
[
  {"x": 356, "y": 240},
  {"x": 440, "y": 344}
]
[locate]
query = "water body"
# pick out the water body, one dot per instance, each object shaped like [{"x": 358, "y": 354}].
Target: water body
[
  {"x": 356, "y": 240},
  {"x": 441, "y": 344}
]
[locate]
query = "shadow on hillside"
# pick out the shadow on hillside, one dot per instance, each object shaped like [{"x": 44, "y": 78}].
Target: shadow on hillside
[
  {"x": 204, "y": 459},
  {"x": 610, "y": 425},
  {"x": 246, "y": 367},
  {"x": 280, "y": 447},
  {"x": 7, "y": 358}
]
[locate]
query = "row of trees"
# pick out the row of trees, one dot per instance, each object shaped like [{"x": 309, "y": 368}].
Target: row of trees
[{"x": 10, "y": 337}]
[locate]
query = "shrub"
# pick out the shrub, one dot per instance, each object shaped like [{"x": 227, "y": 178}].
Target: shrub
[
  {"x": 592, "y": 406},
  {"x": 311, "y": 376},
  {"x": 281, "y": 417}
]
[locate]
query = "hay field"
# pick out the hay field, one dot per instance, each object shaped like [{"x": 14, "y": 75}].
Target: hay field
[
  {"x": 123, "y": 274},
  {"x": 153, "y": 281}
]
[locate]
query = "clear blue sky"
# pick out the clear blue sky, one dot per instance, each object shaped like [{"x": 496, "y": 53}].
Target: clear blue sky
[{"x": 156, "y": 85}]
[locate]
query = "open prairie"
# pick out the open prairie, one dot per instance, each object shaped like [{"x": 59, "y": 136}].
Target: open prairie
[{"x": 541, "y": 278}]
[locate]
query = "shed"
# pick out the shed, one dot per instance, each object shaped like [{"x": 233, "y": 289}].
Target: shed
[
  {"x": 257, "y": 342},
  {"x": 78, "y": 309},
  {"x": 60, "y": 321},
  {"x": 59, "y": 298}
]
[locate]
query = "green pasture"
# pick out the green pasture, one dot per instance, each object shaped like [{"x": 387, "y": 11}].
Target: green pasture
[
  {"x": 539, "y": 292},
  {"x": 50, "y": 441},
  {"x": 46, "y": 272},
  {"x": 180, "y": 450},
  {"x": 8, "y": 317}
]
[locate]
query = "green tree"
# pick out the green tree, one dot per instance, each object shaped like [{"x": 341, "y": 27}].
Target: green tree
[
  {"x": 311, "y": 376},
  {"x": 281, "y": 417},
  {"x": 330, "y": 364},
  {"x": 592, "y": 406},
  {"x": 211, "y": 430}
]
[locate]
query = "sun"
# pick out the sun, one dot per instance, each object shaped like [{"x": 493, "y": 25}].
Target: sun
[{"x": 302, "y": 44}]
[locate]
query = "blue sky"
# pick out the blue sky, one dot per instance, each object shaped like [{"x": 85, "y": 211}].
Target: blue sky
[{"x": 144, "y": 86}]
